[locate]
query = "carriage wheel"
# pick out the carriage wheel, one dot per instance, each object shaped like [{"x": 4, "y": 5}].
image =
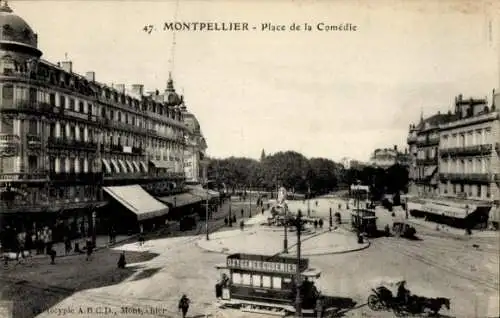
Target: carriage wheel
[
  {"x": 374, "y": 303},
  {"x": 399, "y": 312}
]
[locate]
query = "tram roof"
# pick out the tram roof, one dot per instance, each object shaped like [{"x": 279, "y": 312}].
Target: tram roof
[{"x": 266, "y": 258}]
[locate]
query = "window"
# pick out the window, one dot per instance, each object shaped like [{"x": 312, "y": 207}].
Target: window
[
  {"x": 236, "y": 278},
  {"x": 52, "y": 130},
  {"x": 8, "y": 92},
  {"x": 82, "y": 133},
  {"x": 33, "y": 127},
  {"x": 479, "y": 193},
  {"x": 266, "y": 281},
  {"x": 89, "y": 109},
  {"x": 52, "y": 99},
  {"x": 479, "y": 137},
  {"x": 72, "y": 104},
  {"x": 256, "y": 280},
  {"x": 62, "y": 102},
  {"x": 80, "y": 107},
  {"x": 462, "y": 140},
  {"x": 276, "y": 282},
  {"x": 488, "y": 193},
  {"x": 32, "y": 163}
]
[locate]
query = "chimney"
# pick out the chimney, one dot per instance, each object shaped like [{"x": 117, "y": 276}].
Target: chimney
[
  {"x": 138, "y": 89},
  {"x": 67, "y": 66},
  {"x": 395, "y": 148},
  {"x": 120, "y": 88},
  {"x": 90, "y": 76}
]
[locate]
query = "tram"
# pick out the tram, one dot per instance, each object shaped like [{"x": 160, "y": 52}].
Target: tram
[
  {"x": 364, "y": 221},
  {"x": 267, "y": 284}
]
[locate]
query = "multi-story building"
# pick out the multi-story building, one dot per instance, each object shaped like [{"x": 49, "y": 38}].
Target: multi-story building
[
  {"x": 386, "y": 157},
  {"x": 64, "y": 138},
  {"x": 423, "y": 143},
  {"x": 465, "y": 155},
  {"x": 469, "y": 151},
  {"x": 195, "y": 148}
]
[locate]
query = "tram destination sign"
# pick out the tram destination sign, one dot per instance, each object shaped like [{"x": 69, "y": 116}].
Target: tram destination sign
[{"x": 258, "y": 265}]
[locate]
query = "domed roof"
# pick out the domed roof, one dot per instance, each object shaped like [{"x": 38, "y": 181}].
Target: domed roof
[
  {"x": 15, "y": 31},
  {"x": 191, "y": 122}
]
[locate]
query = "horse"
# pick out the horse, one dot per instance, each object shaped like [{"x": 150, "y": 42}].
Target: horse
[{"x": 435, "y": 304}]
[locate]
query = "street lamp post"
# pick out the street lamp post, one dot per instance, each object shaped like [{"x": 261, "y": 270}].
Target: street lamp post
[
  {"x": 93, "y": 228},
  {"x": 298, "y": 301},
  {"x": 308, "y": 200}
]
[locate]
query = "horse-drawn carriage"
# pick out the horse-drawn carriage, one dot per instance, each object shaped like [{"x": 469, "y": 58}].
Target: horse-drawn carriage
[{"x": 391, "y": 294}]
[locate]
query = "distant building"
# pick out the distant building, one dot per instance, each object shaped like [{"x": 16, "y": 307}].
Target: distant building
[
  {"x": 195, "y": 149},
  {"x": 386, "y": 157},
  {"x": 349, "y": 163}
]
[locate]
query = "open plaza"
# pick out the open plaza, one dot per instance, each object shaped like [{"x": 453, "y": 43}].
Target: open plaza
[{"x": 439, "y": 264}]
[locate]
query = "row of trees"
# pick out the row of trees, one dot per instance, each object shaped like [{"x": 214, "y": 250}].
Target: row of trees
[{"x": 294, "y": 171}]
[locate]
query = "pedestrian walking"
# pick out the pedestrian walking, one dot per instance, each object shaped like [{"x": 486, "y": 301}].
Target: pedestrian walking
[
  {"x": 90, "y": 249},
  {"x": 242, "y": 213},
  {"x": 67, "y": 245},
  {"x": 315, "y": 224},
  {"x": 184, "y": 305},
  {"x": 226, "y": 221},
  {"x": 320, "y": 223},
  {"x": 121, "y": 261}
]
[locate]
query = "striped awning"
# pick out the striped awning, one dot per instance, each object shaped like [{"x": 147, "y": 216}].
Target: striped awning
[
  {"x": 136, "y": 166},
  {"x": 130, "y": 166},
  {"x": 106, "y": 165},
  {"x": 115, "y": 166},
  {"x": 144, "y": 166},
  {"x": 123, "y": 166},
  {"x": 161, "y": 164},
  {"x": 138, "y": 201}
]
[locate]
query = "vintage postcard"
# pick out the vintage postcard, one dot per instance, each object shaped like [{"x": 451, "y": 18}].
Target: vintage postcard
[{"x": 248, "y": 158}]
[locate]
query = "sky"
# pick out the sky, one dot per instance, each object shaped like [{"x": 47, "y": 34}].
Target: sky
[{"x": 325, "y": 94}]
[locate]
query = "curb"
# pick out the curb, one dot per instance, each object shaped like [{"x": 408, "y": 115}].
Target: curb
[{"x": 365, "y": 246}]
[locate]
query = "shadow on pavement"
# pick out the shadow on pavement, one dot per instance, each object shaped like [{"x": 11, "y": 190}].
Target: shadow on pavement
[
  {"x": 36, "y": 288},
  {"x": 339, "y": 305},
  {"x": 147, "y": 273}
]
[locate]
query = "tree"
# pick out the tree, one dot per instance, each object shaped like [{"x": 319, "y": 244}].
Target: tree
[{"x": 262, "y": 155}]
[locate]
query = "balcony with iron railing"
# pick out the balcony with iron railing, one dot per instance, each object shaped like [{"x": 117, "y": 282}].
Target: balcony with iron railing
[
  {"x": 467, "y": 177},
  {"x": 17, "y": 176},
  {"x": 67, "y": 143},
  {"x": 428, "y": 141},
  {"x": 27, "y": 106},
  {"x": 75, "y": 177},
  {"x": 473, "y": 150},
  {"x": 428, "y": 161}
]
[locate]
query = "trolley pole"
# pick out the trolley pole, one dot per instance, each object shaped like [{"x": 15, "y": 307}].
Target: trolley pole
[
  {"x": 298, "y": 301},
  {"x": 206, "y": 215},
  {"x": 285, "y": 239}
]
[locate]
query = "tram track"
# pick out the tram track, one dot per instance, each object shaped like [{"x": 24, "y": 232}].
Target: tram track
[{"x": 428, "y": 257}]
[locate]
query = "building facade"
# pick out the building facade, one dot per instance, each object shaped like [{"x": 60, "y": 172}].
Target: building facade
[
  {"x": 423, "y": 143},
  {"x": 469, "y": 151},
  {"x": 65, "y": 137},
  {"x": 195, "y": 151}
]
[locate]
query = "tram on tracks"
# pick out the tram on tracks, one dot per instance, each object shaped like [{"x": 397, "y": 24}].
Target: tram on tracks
[{"x": 267, "y": 284}]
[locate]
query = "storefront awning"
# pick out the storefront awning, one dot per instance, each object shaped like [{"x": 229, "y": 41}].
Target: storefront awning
[
  {"x": 136, "y": 166},
  {"x": 106, "y": 165},
  {"x": 161, "y": 164},
  {"x": 138, "y": 201},
  {"x": 144, "y": 166},
  {"x": 429, "y": 171},
  {"x": 115, "y": 166},
  {"x": 202, "y": 193},
  {"x": 130, "y": 166},
  {"x": 123, "y": 166},
  {"x": 446, "y": 210},
  {"x": 180, "y": 200}
]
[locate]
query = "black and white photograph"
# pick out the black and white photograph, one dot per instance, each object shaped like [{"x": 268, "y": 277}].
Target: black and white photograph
[{"x": 249, "y": 159}]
